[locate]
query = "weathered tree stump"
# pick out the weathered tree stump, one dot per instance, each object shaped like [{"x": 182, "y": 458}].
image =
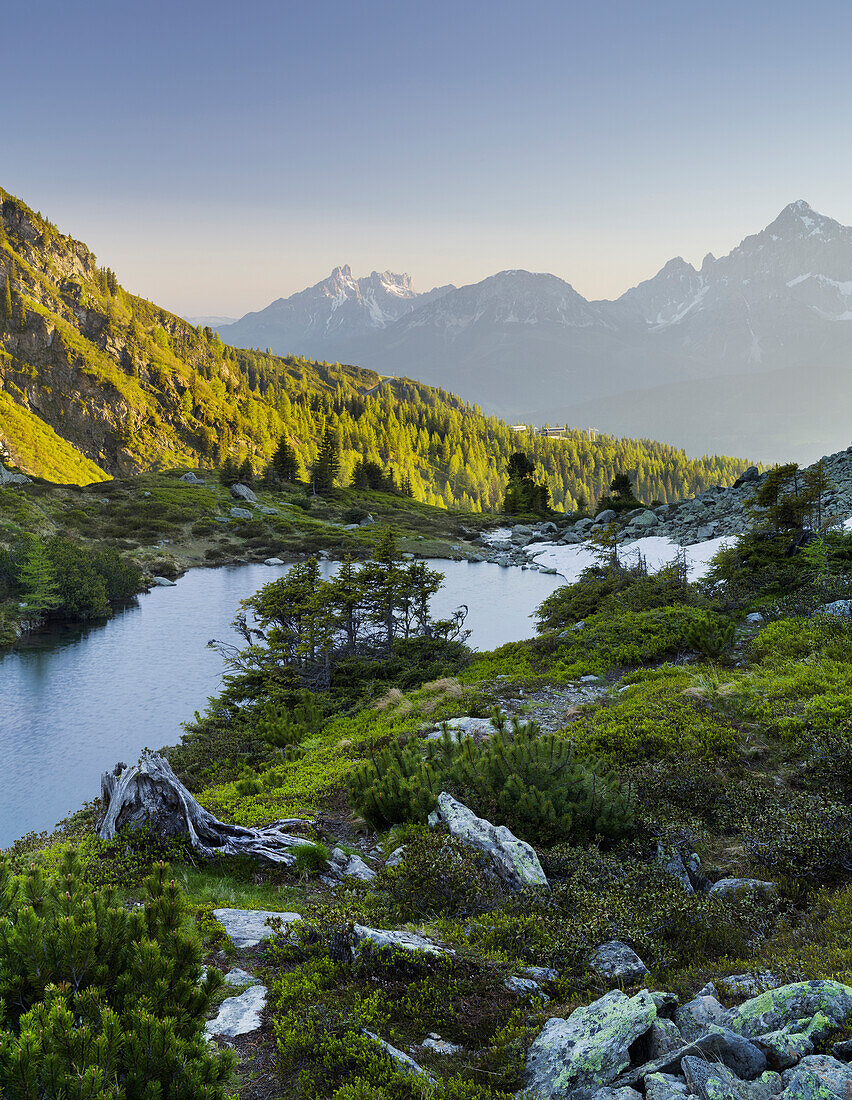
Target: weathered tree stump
[{"x": 149, "y": 793}]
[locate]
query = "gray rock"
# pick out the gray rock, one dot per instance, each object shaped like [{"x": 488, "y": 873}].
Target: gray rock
[
  {"x": 705, "y": 532},
  {"x": 514, "y": 861},
  {"x": 767, "y": 1086},
  {"x": 396, "y": 857},
  {"x": 247, "y": 927},
  {"x": 273, "y": 561},
  {"x": 403, "y": 941},
  {"x": 646, "y": 520},
  {"x": 842, "y": 1051},
  {"x": 163, "y": 582},
  {"x": 240, "y": 513},
  {"x": 239, "y": 977},
  {"x": 818, "y": 1077},
  {"x": 663, "y": 1038},
  {"x": 736, "y": 1052},
  {"x": 242, "y": 492},
  {"x": 711, "y": 1081},
  {"x": 665, "y": 1086},
  {"x": 754, "y": 617},
  {"x": 367, "y": 521},
  {"x": 524, "y": 987},
  {"x": 785, "y": 1048},
  {"x": 576, "y": 1057},
  {"x": 726, "y": 887},
  {"x": 404, "y": 1062},
  {"x": 747, "y": 477},
  {"x": 666, "y": 1003},
  {"x": 671, "y": 862},
  {"x": 343, "y": 865},
  {"x": 625, "y": 1093},
  {"x": 697, "y": 1016},
  {"x": 191, "y": 479},
  {"x": 239, "y": 1015},
  {"x": 541, "y": 973},
  {"x": 437, "y": 1045},
  {"x": 265, "y": 510},
  {"x": 618, "y": 962},
  {"x": 841, "y": 608},
  {"x": 11, "y": 477},
  {"x": 606, "y": 516},
  {"x": 779, "y": 1007},
  {"x": 749, "y": 985}
]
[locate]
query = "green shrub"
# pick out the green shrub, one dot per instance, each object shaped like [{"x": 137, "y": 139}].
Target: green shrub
[
  {"x": 802, "y": 835},
  {"x": 711, "y": 639},
  {"x": 438, "y": 877},
  {"x": 99, "y": 1000},
  {"x": 533, "y": 783}
]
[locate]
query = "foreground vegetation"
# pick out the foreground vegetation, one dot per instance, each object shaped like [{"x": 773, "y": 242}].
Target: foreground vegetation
[{"x": 709, "y": 740}]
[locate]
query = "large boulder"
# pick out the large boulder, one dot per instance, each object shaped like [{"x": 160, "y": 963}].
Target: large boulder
[
  {"x": 576, "y": 1057},
  {"x": 712, "y": 1081},
  {"x": 696, "y": 1017},
  {"x": 776, "y": 1008},
  {"x": 514, "y": 861},
  {"x": 11, "y": 477},
  {"x": 727, "y": 887},
  {"x": 242, "y": 492},
  {"x": 397, "y": 941}
]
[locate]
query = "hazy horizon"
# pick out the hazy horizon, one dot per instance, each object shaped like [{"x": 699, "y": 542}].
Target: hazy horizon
[{"x": 217, "y": 165}]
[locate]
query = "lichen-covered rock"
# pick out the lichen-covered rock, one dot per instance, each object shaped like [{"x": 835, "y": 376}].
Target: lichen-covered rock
[
  {"x": 665, "y": 1086},
  {"x": 625, "y": 1093},
  {"x": 618, "y": 962},
  {"x": 818, "y": 1077},
  {"x": 696, "y": 1017},
  {"x": 514, "y": 861},
  {"x": 239, "y": 1015},
  {"x": 396, "y": 857},
  {"x": 736, "y": 1052},
  {"x": 788, "y": 1045},
  {"x": 663, "y": 1038},
  {"x": 776, "y": 1008},
  {"x": 712, "y": 1081},
  {"x": 576, "y": 1057},
  {"x": 525, "y": 987}
]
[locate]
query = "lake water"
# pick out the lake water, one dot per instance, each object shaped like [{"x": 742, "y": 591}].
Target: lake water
[{"x": 72, "y": 706}]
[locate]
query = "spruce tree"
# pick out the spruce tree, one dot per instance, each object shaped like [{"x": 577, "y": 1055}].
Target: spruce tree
[
  {"x": 285, "y": 462},
  {"x": 37, "y": 578},
  {"x": 327, "y": 465}
]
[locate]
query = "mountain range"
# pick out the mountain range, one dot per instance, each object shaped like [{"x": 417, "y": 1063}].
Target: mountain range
[{"x": 750, "y": 352}]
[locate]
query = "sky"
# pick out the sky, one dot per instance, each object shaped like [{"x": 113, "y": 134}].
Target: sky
[{"x": 218, "y": 156}]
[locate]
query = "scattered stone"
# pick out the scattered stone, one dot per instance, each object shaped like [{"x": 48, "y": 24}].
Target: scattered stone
[
  {"x": 754, "y": 617},
  {"x": 367, "y": 521},
  {"x": 396, "y": 857},
  {"x": 239, "y": 977},
  {"x": 666, "y": 1003},
  {"x": 273, "y": 561},
  {"x": 404, "y": 941},
  {"x": 267, "y": 511},
  {"x": 616, "y": 961},
  {"x": 437, "y": 1045},
  {"x": 239, "y": 1015},
  {"x": 163, "y": 582},
  {"x": 576, "y": 1057},
  {"x": 727, "y": 886},
  {"x": 247, "y": 927},
  {"x": 524, "y": 987},
  {"x": 541, "y": 973},
  {"x": 748, "y": 985},
  {"x": 606, "y": 516},
  {"x": 842, "y": 608},
  {"x": 842, "y": 1051},
  {"x": 405, "y": 1063},
  {"x": 191, "y": 479},
  {"x": 242, "y": 492},
  {"x": 786, "y": 1047},
  {"x": 625, "y": 1093},
  {"x": 343, "y": 865},
  {"x": 672, "y": 863},
  {"x": 240, "y": 513},
  {"x": 515, "y": 861},
  {"x": 11, "y": 477}
]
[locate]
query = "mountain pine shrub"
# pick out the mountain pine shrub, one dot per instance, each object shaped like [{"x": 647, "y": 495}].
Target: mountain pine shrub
[
  {"x": 713, "y": 639},
  {"x": 98, "y": 1001},
  {"x": 534, "y": 783}
]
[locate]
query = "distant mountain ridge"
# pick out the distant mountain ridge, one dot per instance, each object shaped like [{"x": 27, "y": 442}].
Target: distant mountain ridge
[{"x": 737, "y": 355}]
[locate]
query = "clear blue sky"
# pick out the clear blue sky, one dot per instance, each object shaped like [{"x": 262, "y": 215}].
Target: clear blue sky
[{"x": 220, "y": 155}]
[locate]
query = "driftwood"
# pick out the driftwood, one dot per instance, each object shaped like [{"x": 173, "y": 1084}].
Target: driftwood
[{"x": 149, "y": 793}]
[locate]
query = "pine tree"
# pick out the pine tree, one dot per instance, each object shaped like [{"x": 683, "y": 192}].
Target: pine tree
[
  {"x": 285, "y": 462},
  {"x": 98, "y": 1000}
]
